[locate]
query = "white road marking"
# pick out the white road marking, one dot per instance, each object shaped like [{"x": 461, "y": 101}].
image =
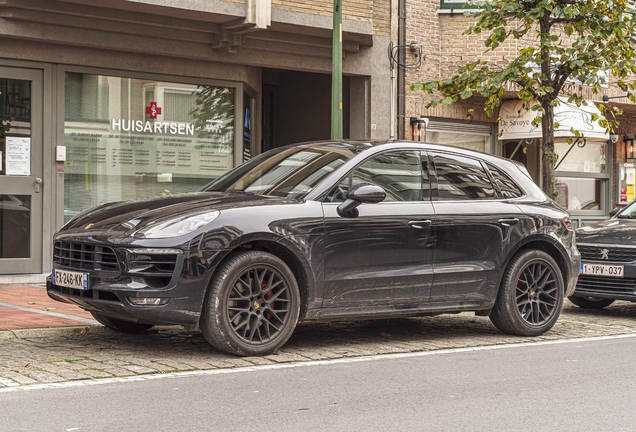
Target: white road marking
[
  {"x": 55, "y": 314},
  {"x": 302, "y": 364}
]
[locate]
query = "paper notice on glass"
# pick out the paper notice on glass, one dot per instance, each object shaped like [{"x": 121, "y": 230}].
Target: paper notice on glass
[
  {"x": 630, "y": 176},
  {"x": 18, "y": 156}
]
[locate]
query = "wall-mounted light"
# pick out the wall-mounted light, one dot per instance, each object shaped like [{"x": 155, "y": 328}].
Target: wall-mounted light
[
  {"x": 420, "y": 124},
  {"x": 629, "y": 147}
]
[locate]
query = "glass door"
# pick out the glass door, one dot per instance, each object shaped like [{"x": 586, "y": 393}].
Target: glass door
[{"x": 21, "y": 184}]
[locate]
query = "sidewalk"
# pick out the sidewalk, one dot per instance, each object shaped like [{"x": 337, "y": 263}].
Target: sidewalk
[{"x": 28, "y": 307}]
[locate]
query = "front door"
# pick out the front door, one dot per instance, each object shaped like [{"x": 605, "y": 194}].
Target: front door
[
  {"x": 21, "y": 149},
  {"x": 383, "y": 255}
]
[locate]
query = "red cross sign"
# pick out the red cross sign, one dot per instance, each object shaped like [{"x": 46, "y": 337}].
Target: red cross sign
[{"x": 153, "y": 110}]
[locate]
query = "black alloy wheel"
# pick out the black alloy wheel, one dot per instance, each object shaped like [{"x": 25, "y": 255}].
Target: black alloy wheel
[
  {"x": 252, "y": 305},
  {"x": 531, "y": 295},
  {"x": 590, "y": 302}
]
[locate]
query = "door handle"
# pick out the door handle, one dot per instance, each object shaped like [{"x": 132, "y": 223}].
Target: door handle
[
  {"x": 38, "y": 185},
  {"x": 508, "y": 222},
  {"x": 420, "y": 224}
]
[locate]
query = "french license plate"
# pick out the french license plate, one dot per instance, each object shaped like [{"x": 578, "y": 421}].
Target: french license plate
[
  {"x": 602, "y": 270},
  {"x": 70, "y": 279}
]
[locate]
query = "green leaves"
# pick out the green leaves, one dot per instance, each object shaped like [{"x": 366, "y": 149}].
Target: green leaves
[{"x": 576, "y": 42}]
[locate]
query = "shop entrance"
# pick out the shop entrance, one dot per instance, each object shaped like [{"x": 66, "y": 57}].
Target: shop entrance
[
  {"x": 297, "y": 107},
  {"x": 21, "y": 186}
]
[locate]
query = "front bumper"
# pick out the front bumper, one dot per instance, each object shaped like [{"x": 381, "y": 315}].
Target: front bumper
[
  {"x": 110, "y": 291},
  {"x": 616, "y": 288},
  {"x": 608, "y": 287}
]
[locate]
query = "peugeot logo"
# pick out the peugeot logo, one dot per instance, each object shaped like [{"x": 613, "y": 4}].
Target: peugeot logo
[{"x": 604, "y": 254}]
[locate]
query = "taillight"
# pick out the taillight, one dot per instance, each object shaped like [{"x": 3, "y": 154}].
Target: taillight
[{"x": 568, "y": 223}]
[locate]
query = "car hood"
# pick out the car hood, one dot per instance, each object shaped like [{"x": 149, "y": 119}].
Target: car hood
[
  {"x": 136, "y": 214},
  {"x": 613, "y": 231}
]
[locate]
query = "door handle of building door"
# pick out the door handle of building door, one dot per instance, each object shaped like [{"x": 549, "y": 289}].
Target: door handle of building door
[
  {"x": 420, "y": 224},
  {"x": 38, "y": 185},
  {"x": 508, "y": 222}
]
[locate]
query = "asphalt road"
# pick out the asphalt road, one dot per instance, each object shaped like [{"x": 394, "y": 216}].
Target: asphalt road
[{"x": 580, "y": 385}]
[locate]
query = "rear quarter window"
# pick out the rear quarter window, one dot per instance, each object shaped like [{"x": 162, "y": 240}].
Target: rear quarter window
[
  {"x": 505, "y": 184},
  {"x": 461, "y": 178}
]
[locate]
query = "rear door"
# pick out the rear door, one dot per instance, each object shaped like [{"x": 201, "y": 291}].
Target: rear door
[{"x": 476, "y": 225}]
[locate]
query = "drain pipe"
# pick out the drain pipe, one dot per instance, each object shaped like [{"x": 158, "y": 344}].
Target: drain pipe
[{"x": 401, "y": 78}]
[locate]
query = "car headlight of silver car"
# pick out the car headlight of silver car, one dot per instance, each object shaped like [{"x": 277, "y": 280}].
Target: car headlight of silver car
[{"x": 176, "y": 227}]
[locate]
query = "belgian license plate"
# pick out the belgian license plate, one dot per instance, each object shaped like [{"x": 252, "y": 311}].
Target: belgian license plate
[
  {"x": 602, "y": 270},
  {"x": 70, "y": 279}
]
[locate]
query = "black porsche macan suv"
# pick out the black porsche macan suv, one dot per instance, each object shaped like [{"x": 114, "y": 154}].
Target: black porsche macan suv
[{"x": 324, "y": 231}]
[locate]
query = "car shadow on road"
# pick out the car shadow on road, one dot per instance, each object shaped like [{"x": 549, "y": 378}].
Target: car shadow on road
[{"x": 618, "y": 309}]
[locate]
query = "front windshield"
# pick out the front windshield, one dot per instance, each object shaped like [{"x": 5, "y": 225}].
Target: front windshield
[
  {"x": 291, "y": 172},
  {"x": 628, "y": 212}
]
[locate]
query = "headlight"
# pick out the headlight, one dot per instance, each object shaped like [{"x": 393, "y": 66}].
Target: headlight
[{"x": 178, "y": 226}]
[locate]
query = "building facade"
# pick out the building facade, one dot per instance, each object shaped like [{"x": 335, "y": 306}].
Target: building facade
[
  {"x": 107, "y": 100},
  {"x": 594, "y": 175}
]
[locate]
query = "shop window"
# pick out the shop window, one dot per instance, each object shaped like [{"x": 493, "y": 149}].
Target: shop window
[
  {"x": 575, "y": 194},
  {"x": 582, "y": 172},
  {"x": 129, "y": 139},
  {"x": 581, "y": 156},
  {"x": 471, "y": 136}
]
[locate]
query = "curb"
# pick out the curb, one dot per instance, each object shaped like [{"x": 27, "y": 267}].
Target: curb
[{"x": 53, "y": 331}]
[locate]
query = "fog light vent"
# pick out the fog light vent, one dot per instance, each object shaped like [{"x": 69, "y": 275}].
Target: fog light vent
[{"x": 149, "y": 301}]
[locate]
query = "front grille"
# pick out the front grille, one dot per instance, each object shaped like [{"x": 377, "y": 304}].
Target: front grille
[
  {"x": 84, "y": 256},
  {"x": 605, "y": 284},
  {"x": 615, "y": 254}
]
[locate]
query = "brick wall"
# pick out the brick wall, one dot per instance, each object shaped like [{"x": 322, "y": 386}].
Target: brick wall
[
  {"x": 351, "y": 9},
  {"x": 446, "y": 49},
  {"x": 376, "y": 11}
]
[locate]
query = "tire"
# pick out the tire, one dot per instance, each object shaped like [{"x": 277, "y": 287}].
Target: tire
[
  {"x": 252, "y": 305},
  {"x": 529, "y": 308},
  {"x": 590, "y": 302},
  {"x": 121, "y": 325}
]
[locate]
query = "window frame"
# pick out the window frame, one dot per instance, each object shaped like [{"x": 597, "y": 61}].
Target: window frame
[{"x": 423, "y": 156}]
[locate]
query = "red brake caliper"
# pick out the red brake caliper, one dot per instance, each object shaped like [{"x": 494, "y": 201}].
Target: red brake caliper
[{"x": 268, "y": 295}]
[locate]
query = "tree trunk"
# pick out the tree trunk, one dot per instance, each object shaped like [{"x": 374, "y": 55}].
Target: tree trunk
[{"x": 547, "y": 132}]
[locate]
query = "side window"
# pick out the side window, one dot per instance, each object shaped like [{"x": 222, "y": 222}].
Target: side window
[
  {"x": 507, "y": 187},
  {"x": 461, "y": 178},
  {"x": 399, "y": 173}
]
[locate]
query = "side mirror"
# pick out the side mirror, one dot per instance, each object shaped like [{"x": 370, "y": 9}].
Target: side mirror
[
  {"x": 615, "y": 211},
  {"x": 361, "y": 193}
]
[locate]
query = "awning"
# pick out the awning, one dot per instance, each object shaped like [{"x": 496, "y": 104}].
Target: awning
[{"x": 516, "y": 121}]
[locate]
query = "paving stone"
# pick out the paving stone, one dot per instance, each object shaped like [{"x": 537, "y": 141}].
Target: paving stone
[
  {"x": 139, "y": 369},
  {"x": 96, "y": 373},
  {"x": 84, "y": 354},
  {"x": 18, "y": 378},
  {"x": 43, "y": 377},
  {"x": 118, "y": 372}
]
